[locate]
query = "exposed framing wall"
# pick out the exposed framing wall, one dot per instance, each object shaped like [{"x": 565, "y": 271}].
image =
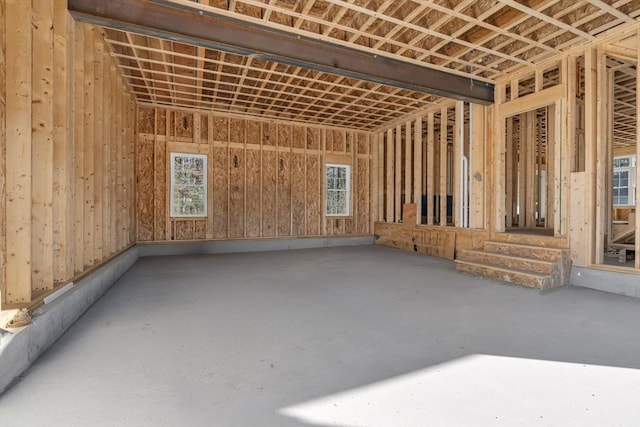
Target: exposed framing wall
[
  {"x": 68, "y": 151},
  {"x": 421, "y": 158},
  {"x": 266, "y": 178}
]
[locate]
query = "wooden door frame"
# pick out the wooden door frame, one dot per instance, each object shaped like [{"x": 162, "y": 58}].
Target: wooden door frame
[{"x": 551, "y": 97}]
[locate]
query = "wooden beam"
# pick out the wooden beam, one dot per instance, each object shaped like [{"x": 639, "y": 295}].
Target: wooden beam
[
  {"x": 548, "y": 19},
  {"x": 417, "y": 168},
  {"x": 535, "y": 100},
  {"x": 530, "y": 169},
  {"x": 600, "y": 152},
  {"x": 498, "y": 162},
  {"x": 381, "y": 177},
  {"x": 477, "y": 168},
  {"x": 389, "y": 194},
  {"x": 551, "y": 168},
  {"x": 511, "y": 170},
  {"x": 398, "y": 174},
  {"x": 408, "y": 152},
  {"x": 375, "y": 159},
  {"x": 430, "y": 173},
  {"x": 457, "y": 194},
  {"x": 180, "y": 22},
  {"x": 444, "y": 148}
]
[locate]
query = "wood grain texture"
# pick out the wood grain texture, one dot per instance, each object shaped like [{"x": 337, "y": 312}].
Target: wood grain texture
[{"x": 265, "y": 178}]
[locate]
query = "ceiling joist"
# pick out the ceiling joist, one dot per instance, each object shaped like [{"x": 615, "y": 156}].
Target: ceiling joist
[{"x": 209, "y": 30}]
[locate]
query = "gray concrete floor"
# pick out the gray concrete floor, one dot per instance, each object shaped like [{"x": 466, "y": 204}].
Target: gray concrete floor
[{"x": 353, "y": 336}]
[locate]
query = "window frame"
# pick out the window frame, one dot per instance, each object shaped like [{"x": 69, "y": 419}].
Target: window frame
[
  {"x": 631, "y": 170},
  {"x": 204, "y": 185},
  {"x": 347, "y": 190}
]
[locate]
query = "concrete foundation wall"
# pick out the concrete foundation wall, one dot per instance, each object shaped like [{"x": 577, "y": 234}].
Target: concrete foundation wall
[
  {"x": 608, "y": 281},
  {"x": 20, "y": 349},
  {"x": 234, "y": 246}
]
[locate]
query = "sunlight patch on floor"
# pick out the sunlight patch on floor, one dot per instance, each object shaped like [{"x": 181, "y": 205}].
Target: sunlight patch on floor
[{"x": 486, "y": 390}]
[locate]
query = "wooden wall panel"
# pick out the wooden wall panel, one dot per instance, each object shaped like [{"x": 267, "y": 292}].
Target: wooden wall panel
[
  {"x": 362, "y": 198},
  {"x": 89, "y": 135},
  {"x": 220, "y": 192},
  {"x": 236, "y": 130},
  {"x": 314, "y": 188},
  {"x": 265, "y": 177},
  {"x": 298, "y": 182},
  {"x": 109, "y": 131},
  {"x": 270, "y": 134},
  {"x": 18, "y": 153},
  {"x": 269, "y": 178},
  {"x": 99, "y": 97},
  {"x": 220, "y": 128},
  {"x": 3, "y": 145},
  {"x": 161, "y": 122},
  {"x": 184, "y": 229},
  {"x": 61, "y": 90},
  {"x": 145, "y": 185},
  {"x": 236, "y": 189},
  {"x": 183, "y": 123},
  {"x": 254, "y": 190},
  {"x": 160, "y": 186},
  {"x": 284, "y": 192},
  {"x": 204, "y": 128},
  {"x": 42, "y": 148},
  {"x": 79, "y": 142},
  {"x": 200, "y": 229}
]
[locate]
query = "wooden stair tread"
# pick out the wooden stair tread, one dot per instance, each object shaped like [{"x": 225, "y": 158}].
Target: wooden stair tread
[
  {"x": 505, "y": 269},
  {"x": 516, "y": 257},
  {"x": 525, "y": 246}
]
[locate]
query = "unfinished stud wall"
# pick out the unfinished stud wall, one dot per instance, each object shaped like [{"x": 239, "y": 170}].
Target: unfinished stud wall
[
  {"x": 419, "y": 166},
  {"x": 265, "y": 178},
  {"x": 67, "y": 142}
]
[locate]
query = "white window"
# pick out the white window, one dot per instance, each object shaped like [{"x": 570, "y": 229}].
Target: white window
[
  {"x": 624, "y": 181},
  {"x": 188, "y": 185},
  {"x": 338, "y": 189}
]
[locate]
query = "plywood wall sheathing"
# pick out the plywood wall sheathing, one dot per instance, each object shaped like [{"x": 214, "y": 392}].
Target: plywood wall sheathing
[{"x": 266, "y": 178}]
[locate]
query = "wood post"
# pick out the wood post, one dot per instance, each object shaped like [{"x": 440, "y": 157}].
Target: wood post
[
  {"x": 444, "y": 148},
  {"x": 417, "y": 168},
  {"x": 477, "y": 174}
]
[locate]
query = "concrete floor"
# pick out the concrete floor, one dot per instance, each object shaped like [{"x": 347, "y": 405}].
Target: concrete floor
[{"x": 352, "y": 336}]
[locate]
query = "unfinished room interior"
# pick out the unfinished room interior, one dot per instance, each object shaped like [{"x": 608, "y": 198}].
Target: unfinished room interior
[{"x": 319, "y": 212}]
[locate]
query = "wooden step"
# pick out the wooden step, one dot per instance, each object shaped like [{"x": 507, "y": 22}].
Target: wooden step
[
  {"x": 506, "y": 274},
  {"x": 530, "y": 251},
  {"x": 510, "y": 261}
]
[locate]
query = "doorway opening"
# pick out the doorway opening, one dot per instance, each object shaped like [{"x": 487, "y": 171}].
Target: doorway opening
[{"x": 529, "y": 175}]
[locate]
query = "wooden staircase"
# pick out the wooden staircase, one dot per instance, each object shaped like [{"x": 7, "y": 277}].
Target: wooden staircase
[{"x": 540, "y": 267}]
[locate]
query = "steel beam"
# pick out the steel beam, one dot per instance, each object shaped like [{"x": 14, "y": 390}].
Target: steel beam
[{"x": 164, "y": 19}]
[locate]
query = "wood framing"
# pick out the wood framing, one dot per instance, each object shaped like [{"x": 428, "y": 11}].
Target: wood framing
[
  {"x": 57, "y": 172},
  {"x": 184, "y": 23},
  {"x": 280, "y": 196},
  {"x": 273, "y": 91}
]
